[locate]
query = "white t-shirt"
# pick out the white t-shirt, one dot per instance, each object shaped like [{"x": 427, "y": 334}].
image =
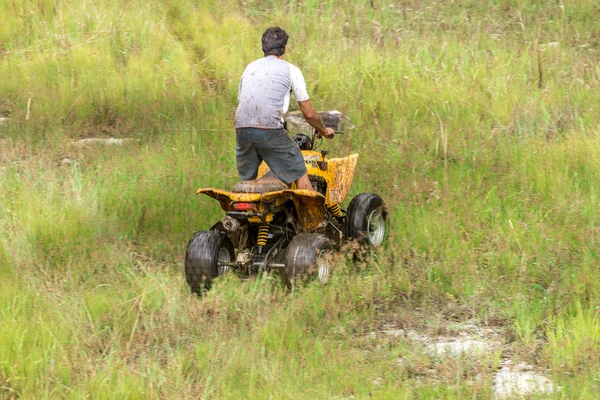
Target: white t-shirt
[{"x": 264, "y": 93}]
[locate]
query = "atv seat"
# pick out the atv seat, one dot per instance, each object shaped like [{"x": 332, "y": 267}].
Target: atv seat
[{"x": 268, "y": 183}]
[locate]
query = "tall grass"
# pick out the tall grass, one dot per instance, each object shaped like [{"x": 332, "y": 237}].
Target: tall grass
[{"x": 476, "y": 121}]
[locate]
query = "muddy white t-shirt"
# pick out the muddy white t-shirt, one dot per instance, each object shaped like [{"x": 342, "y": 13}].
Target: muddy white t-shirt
[{"x": 264, "y": 93}]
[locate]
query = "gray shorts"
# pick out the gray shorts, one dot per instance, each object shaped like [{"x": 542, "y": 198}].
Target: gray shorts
[{"x": 275, "y": 147}]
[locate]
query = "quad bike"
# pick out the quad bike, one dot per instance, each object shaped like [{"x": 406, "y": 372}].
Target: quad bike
[{"x": 269, "y": 226}]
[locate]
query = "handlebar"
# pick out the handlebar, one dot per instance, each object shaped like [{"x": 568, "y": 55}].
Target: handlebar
[
  {"x": 316, "y": 136},
  {"x": 316, "y": 132}
]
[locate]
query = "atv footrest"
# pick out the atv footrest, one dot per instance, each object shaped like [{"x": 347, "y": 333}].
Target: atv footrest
[
  {"x": 259, "y": 264},
  {"x": 270, "y": 265}
]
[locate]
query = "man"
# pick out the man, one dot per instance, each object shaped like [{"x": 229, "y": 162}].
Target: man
[{"x": 264, "y": 98}]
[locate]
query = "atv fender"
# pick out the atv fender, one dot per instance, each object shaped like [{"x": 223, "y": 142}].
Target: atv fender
[
  {"x": 310, "y": 205},
  {"x": 337, "y": 172}
]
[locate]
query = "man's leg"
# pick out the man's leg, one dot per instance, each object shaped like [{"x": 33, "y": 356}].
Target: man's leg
[
  {"x": 304, "y": 183},
  {"x": 247, "y": 159},
  {"x": 284, "y": 158}
]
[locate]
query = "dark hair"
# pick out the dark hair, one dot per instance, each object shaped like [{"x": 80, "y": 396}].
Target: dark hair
[{"x": 273, "y": 41}]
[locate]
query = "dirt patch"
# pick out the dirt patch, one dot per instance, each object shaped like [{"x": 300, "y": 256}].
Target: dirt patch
[
  {"x": 470, "y": 341},
  {"x": 104, "y": 142},
  {"x": 520, "y": 380}
]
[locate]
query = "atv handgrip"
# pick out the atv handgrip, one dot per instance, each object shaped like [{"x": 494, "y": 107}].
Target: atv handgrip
[
  {"x": 328, "y": 137},
  {"x": 316, "y": 135}
]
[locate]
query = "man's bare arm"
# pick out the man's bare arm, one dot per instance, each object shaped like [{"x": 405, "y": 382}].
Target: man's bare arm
[{"x": 314, "y": 119}]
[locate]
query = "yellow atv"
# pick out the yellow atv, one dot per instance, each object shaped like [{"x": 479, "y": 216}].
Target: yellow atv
[{"x": 269, "y": 226}]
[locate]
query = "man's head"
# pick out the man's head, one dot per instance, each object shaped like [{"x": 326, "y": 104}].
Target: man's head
[{"x": 274, "y": 41}]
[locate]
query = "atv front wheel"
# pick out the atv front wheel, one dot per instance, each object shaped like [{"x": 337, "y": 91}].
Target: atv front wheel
[
  {"x": 204, "y": 252},
  {"x": 308, "y": 255},
  {"x": 366, "y": 219}
]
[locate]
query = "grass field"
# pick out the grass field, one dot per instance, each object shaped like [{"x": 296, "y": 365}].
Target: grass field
[{"x": 477, "y": 122}]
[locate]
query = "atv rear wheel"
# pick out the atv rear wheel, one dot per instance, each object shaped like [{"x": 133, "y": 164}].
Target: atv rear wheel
[
  {"x": 204, "y": 252},
  {"x": 366, "y": 219},
  {"x": 309, "y": 255}
]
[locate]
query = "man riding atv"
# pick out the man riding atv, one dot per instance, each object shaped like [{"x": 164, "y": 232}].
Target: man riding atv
[
  {"x": 264, "y": 98},
  {"x": 267, "y": 225}
]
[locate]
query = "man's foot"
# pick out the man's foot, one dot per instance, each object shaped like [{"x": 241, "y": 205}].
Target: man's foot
[{"x": 322, "y": 225}]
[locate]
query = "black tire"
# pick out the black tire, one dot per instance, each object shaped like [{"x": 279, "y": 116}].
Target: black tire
[
  {"x": 308, "y": 255},
  {"x": 366, "y": 220},
  {"x": 204, "y": 251}
]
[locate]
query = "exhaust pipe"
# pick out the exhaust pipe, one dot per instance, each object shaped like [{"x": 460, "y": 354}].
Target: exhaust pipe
[{"x": 231, "y": 224}]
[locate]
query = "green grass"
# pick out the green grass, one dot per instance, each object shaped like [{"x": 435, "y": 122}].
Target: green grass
[{"x": 488, "y": 168}]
